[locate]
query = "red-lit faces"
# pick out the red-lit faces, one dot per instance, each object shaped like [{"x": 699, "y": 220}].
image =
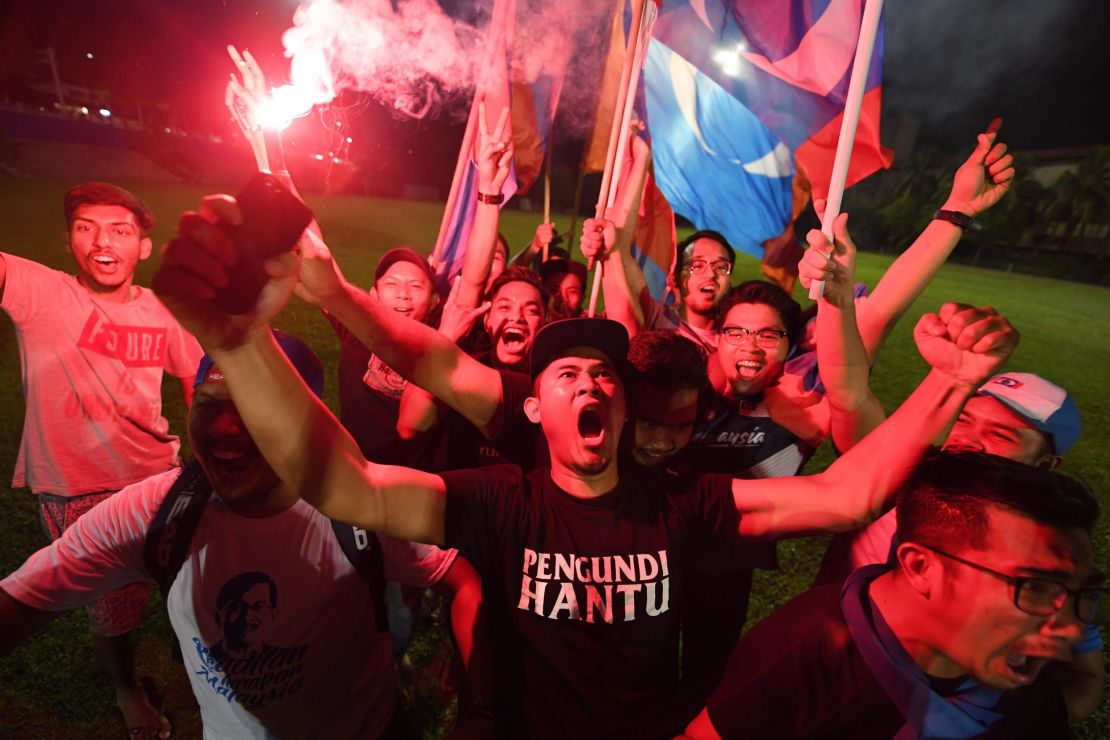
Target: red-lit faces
[
  {"x": 986, "y": 425},
  {"x": 227, "y": 454},
  {"x": 580, "y": 404},
  {"x": 749, "y": 367},
  {"x": 406, "y": 289},
  {"x": 702, "y": 290},
  {"x": 513, "y": 320},
  {"x": 107, "y": 244},
  {"x": 564, "y": 295},
  {"x": 981, "y": 631}
]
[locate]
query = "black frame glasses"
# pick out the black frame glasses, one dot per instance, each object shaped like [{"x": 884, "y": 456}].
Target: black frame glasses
[
  {"x": 766, "y": 337},
  {"x": 695, "y": 267},
  {"x": 1043, "y": 597}
]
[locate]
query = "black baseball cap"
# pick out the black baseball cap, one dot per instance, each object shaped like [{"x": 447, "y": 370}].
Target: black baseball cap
[
  {"x": 402, "y": 254},
  {"x": 604, "y": 334}
]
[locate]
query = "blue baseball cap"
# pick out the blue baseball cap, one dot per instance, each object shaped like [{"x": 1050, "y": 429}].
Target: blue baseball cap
[
  {"x": 1047, "y": 406},
  {"x": 300, "y": 354}
]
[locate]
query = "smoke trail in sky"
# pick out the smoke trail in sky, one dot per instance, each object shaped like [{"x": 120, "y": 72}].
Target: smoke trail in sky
[{"x": 414, "y": 58}]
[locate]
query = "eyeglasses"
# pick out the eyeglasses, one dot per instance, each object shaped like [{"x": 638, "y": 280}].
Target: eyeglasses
[
  {"x": 1043, "y": 598},
  {"x": 766, "y": 338},
  {"x": 694, "y": 267}
]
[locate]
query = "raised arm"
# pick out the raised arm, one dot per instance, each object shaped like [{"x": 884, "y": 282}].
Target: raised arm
[
  {"x": 494, "y": 152},
  {"x": 545, "y": 234},
  {"x": 244, "y": 97},
  {"x": 627, "y": 299},
  {"x": 964, "y": 346},
  {"x": 979, "y": 183},
  {"x": 417, "y": 352},
  {"x": 420, "y": 410},
  {"x": 841, "y": 357},
  {"x": 305, "y": 445}
]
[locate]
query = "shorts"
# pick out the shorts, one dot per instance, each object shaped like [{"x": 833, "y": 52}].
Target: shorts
[{"x": 115, "y": 613}]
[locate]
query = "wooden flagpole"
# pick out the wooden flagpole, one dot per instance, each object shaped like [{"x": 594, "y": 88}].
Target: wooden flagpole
[
  {"x": 869, "y": 28},
  {"x": 628, "y": 72}
]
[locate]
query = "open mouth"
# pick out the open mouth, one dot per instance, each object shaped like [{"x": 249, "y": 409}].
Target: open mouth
[
  {"x": 748, "y": 369},
  {"x": 514, "y": 337},
  {"x": 1022, "y": 668},
  {"x": 232, "y": 460},
  {"x": 708, "y": 289},
  {"x": 590, "y": 425},
  {"x": 653, "y": 456},
  {"x": 403, "y": 309}
]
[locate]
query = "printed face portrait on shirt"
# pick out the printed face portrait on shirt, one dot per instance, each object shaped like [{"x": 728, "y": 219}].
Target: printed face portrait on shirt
[
  {"x": 986, "y": 425},
  {"x": 580, "y": 404},
  {"x": 406, "y": 289},
  {"x": 702, "y": 290},
  {"x": 107, "y": 244},
  {"x": 515, "y": 316},
  {"x": 978, "y": 628},
  {"x": 749, "y": 367},
  {"x": 227, "y": 454},
  {"x": 245, "y": 611}
]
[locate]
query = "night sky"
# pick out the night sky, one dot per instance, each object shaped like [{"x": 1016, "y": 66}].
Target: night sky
[{"x": 953, "y": 64}]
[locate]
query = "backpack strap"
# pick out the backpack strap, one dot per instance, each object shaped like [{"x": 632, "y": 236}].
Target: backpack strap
[
  {"x": 364, "y": 552},
  {"x": 171, "y": 531}
]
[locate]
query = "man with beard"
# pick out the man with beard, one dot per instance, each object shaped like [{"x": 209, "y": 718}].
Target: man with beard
[
  {"x": 579, "y": 563},
  {"x": 278, "y": 611},
  {"x": 497, "y": 433},
  {"x": 993, "y": 579}
]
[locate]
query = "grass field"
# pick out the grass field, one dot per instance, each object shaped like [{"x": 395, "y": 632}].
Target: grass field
[{"x": 53, "y": 687}]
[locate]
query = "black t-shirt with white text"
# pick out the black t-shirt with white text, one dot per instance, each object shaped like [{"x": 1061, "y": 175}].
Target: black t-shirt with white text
[
  {"x": 461, "y": 445},
  {"x": 585, "y": 594}
]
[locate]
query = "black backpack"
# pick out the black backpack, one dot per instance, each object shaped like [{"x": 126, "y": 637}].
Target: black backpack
[{"x": 171, "y": 532}]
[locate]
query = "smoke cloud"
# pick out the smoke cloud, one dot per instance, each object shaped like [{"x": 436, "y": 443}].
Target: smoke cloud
[{"x": 415, "y": 59}]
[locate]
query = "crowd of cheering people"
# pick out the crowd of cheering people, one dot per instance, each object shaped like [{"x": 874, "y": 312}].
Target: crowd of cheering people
[{"x": 591, "y": 495}]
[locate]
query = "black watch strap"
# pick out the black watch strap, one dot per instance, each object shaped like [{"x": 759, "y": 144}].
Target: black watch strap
[{"x": 962, "y": 220}]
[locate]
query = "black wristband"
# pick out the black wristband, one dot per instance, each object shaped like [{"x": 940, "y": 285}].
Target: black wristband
[
  {"x": 962, "y": 220},
  {"x": 493, "y": 200}
]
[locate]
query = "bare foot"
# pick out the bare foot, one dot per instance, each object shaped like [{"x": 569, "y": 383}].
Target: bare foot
[{"x": 143, "y": 720}]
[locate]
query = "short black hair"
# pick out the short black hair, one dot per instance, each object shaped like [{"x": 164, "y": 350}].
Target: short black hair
[
  {"x": 234, "y": 589},
  {"x": 668, "y": 361},
  {"x": 518, "y": 274},
  {"x": 105, "y": 194},
  {"x": 761, "y": 291},
  {"x": 703, "y": 234},
  {"x": 945, "y": 501}
]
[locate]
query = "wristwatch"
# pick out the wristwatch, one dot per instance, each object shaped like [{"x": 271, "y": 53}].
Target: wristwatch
[
  {"x": 493, "y": 200},
  {"x": 962, "y": 220}
]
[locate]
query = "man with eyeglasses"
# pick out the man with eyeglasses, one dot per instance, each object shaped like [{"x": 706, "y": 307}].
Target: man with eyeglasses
[
  {"x": 700, "y": 280},
  {"x": 993, "y": 580},
  {"x": 1024, "y": 418}
]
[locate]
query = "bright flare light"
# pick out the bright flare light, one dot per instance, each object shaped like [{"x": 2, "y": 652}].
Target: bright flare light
[
  {"x": 105, "y": 112},
  {"x": 729, "y": 59},
  {"x": 284, "y": 104}
]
